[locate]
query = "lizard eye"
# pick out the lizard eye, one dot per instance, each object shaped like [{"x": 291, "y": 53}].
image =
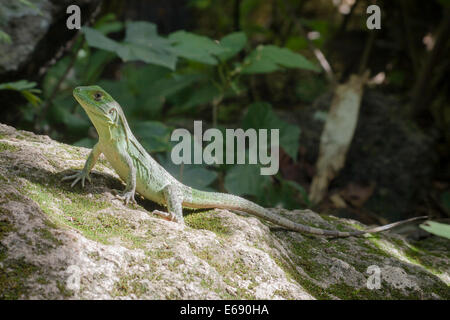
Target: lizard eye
[{"x": 98, "y": 96}]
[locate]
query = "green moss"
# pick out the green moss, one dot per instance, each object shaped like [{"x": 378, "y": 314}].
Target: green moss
[
  {"x": 344, "y": 291},
  {"x": 46, "y": 234},
  {"x": 94, "y": 255},
  {"x": 228, "y": 270},
  {"x": 13, "y": 276},
  {"x": 54, "y": 163},
  {"x": 207, "y": 221},
  {"x": 73, "y": 152},
  {"x": 160, "y": 254},
  {"x": 3, "y": 178},
  {"x": 63, "y": 290},
  {"x": 303, "y": 250},
  {"x": 8, "y": 147},
  {"x": 423, "y": 257},
  {"x": 294, "y": 275},
  {"x": 70, "y": 208},
  {"x": 25, "y": 135},
  {"x": 5, "y": 228},
  {"x": 283, "y": 293},
  {"x": 130, "y": 284}
]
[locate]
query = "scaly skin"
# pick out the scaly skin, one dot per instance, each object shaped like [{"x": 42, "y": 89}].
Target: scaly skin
[{"x": 144, "y": 175}]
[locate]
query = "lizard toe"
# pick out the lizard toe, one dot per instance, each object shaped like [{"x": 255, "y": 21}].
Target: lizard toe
[{"x": 127, "y": 197}]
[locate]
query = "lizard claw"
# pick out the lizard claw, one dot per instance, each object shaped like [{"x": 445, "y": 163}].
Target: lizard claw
[
  {"x": 79, "y": 176},
  {"x": 127, "y": 197},
  {"x": 169, "y": 216}
]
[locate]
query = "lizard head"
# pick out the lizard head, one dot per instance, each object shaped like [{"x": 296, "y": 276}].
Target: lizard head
[{"x": 101, "y": 108}]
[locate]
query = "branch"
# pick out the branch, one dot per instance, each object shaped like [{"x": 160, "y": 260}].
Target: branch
[
  {"x": 316, "y": 51},
  {"x": 419, "y": 96}
]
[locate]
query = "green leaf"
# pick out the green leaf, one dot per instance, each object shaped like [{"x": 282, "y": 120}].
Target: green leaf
[
  {"x": 193, "y": 175},
  {"x": 17, "y": 85},
  {"x": 4, "y": 37},
  {"x": 445, "y": 200},
  {"x": 53, "y": 75},
  {"x": 96, "y": 39},
  {"x": 94, "y": 66},
  {"x": 279, "y": 195},
  {"x": 261, "y": 116},
  {"x": 194, "y": 98},
  {"x": 233, "y": 43},
  {"x": 122, "y": 94},
  {"x": 195, "y": 47},
  {"x": 296, "y": 43},
  {"x": 108, "y": 23},
  {"x": 153, "y": 135},
  {"x": 153, "y": 85},
  {"x": 142, "y": 43},
  {"x": 198, "y": 177},
  {"x": 245, "y": 179},
  {"x": 145, "y": 44},
  {"x": 60, "y": 112},
  {"x": 436, "y": 228},
  {"x": 27, "y": 89},
  {"x": 299, "y": 189},
  {"x": 265, "y": 59}
]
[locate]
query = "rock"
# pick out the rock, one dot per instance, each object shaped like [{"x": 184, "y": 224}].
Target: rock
[
  {"x": 62, "y": 243},
  {"x": 36, "y": 32}
]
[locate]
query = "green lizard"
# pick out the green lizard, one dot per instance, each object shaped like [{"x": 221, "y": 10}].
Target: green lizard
[{"x": 144, "y": 175}]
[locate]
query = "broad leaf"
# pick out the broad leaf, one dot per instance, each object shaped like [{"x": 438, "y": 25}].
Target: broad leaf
[
  {"x": 27, "y": 89},
  {"x": 265, "y": 59},
  {"x": 195, "y": 47},
  {"x": 153, "y": 135},
  {"x": 246, "y": 179},
  {"x": 142, "y": 43},
  {"x": 190, "y": 98},
  {"x": 436, "y": 228},
  {"x": 261, "y": 116},
  {"x": 193, "y": 175},
  {"x": 233, "y": 43}
]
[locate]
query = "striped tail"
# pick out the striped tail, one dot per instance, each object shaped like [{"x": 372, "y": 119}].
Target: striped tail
[{"x": 201, "y": 199}]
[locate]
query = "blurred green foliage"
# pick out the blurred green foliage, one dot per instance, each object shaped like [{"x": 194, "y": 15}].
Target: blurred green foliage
[
  {"x": 436, "y": 228},
  {"x": 27, "y": 89}
]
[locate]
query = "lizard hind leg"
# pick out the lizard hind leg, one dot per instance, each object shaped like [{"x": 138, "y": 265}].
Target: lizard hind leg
[{"x": 174, "y": 199}]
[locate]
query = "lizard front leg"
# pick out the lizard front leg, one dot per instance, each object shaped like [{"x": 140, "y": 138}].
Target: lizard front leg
[
  {"x": 127, "y": 195},
  {"x": 174, "y": 199},
  {"x": 89, "y": 164}
]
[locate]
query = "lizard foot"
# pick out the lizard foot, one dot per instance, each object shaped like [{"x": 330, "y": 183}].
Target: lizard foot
[
  {"x": 169, "y": 216},
  {"x": 127, "y": 197},
  {"x": 81, "y": 175}
]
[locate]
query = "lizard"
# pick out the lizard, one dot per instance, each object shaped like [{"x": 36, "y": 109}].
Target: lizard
[{"x": 144, "y": 175}]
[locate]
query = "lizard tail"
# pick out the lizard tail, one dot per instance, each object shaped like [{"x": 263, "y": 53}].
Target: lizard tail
[{"x": 203, "y": 199}]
